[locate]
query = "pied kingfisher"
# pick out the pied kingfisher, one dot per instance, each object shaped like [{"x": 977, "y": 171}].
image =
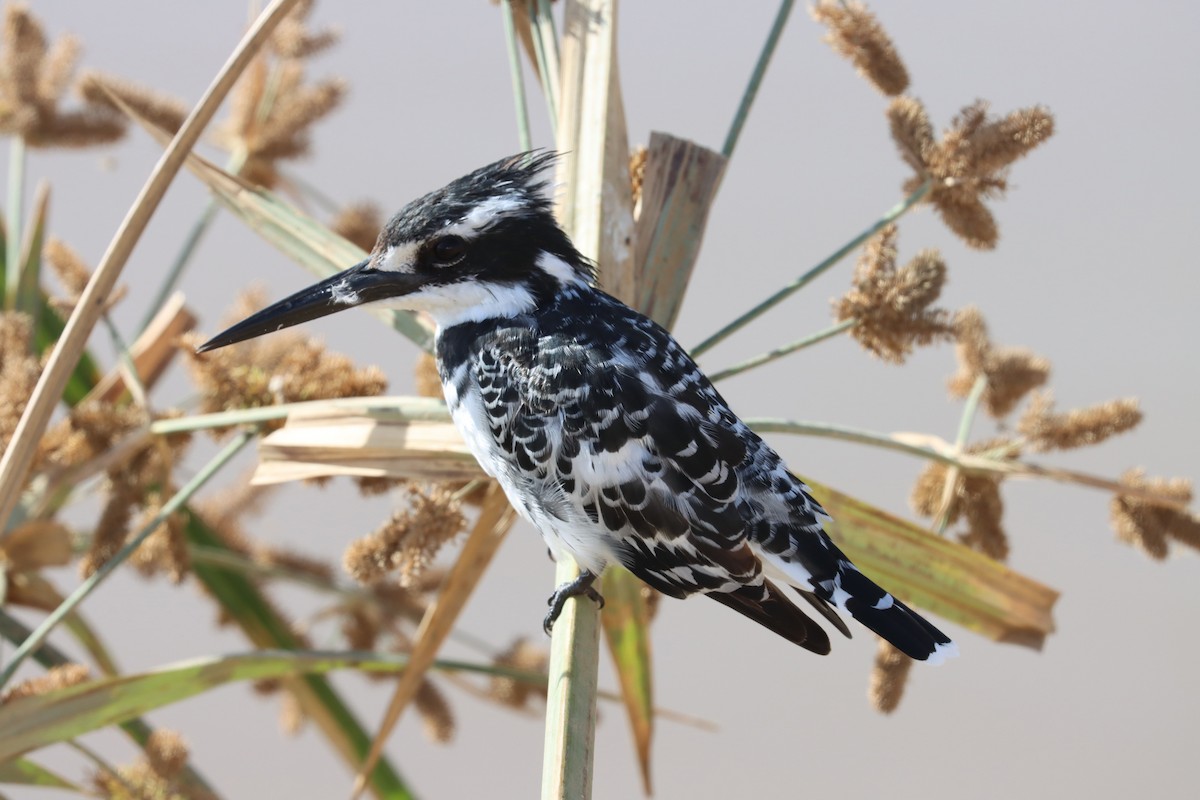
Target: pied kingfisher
[{"x": 602, "y": 431}]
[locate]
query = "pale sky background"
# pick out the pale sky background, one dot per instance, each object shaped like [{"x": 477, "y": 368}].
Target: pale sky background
[{"x": 1095, "y": 270}]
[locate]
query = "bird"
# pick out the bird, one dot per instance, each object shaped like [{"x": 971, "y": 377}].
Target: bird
[{"x": 598, "y": 425}]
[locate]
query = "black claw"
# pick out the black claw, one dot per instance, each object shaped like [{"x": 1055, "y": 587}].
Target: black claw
[{"x": 580, "y": 586}]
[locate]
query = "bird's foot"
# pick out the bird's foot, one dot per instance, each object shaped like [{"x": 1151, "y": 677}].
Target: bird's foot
[{"x": 580, "y": 586}]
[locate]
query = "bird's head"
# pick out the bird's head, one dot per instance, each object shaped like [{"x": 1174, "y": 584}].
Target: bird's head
[{"x": 483, "y": 246}]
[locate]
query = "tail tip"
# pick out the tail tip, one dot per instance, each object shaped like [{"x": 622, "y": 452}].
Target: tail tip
[{"x": 941, "y": 652}]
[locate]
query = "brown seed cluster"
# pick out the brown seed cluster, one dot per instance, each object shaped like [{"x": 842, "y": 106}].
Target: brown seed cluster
[
  {"x": 19, "y": 370},
  {"x": 74, "y": 275},
  {"x": 164, "y": 111},
  {"x": 437, "y": 718},
  {"x": 56, "y": 678},
  {"x": 360, "y": 223},
  {"x": 273, "y": 108},
  {"x": 284, "y": 368},
  {"x": 409, "y": 541},
  {"x": 1080, "y": 427},
  {"x": 892, "y": 307},
  {"x": 425, "y": 373},
  {"x": 970, "y": 163},
  {"x": 637, "y": 172},
  {"x": 1011, "y": 372},
  {"x": 885, "y": 688},
  {"x": 157, "y": 774},
  {"x": 33, "y": 78},
  {"x": 524, "y": 656},
  {"x": 1149, "y": 527},
  {"x": 974, "y": 497},
  {"x": 855, "y": 33}
]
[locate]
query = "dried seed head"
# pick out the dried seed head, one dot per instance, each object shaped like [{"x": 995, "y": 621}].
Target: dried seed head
[
  {"x": 1079, "y": 427},
  {"x": 970, "y": 163},
  {"x": 409, "y": 541},
  {"x": 99, "y": 88},
  {"x": 1151, "y": 527},
  {"x": 360, "y": 223},
  {"x": 33, "y": 78},
  {"x": 436, "y": 717},
  {"x": 165, "y": 551},
  {"x": 1011, "y": 372},
  {"x": 111, "y": 528},
  {"x": 855, "y": 33},
  {"x": 56, "y": 678},
  {"x": 166, "y": 753},
  {"x": 282, "y": 368},
  {"x": 911, "y": 131},
  {"x": 926, "y": 496},
  {"x": 272, "y": 112},
  {"x": 361, "y": 627},
  {"x": 74, "y": 275},
  {"x": 520, "y": 655},
  {"x": 637, "y": 172},
  {"x": 88, "y": 431},
  {"x": 889, "y": 676},
  {"x": 979, "y": 498},
  {"x": 293, "y": 39},
  {"x": 370, "y": 486},
  {"x": 429, "y": 383},
  {"x": 892, "y": 307},
  {"x": 19, "y": 371}
]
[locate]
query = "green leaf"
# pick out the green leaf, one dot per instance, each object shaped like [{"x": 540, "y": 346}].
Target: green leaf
[
  {"x": 938, "y": 574},
  {"x": 626, "y": 627},
  {"x": 249, "y": 609},
  {"x": 35, "y": 721},
  {"x": 28, "y": 299},
  {"x": 26, "y": 773}
]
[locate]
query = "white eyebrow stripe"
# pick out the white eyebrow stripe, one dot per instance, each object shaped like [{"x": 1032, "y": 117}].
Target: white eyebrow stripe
[{"x": 485, "y": 214}]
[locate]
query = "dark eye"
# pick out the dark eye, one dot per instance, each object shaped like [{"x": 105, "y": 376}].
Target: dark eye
[{"x": 449, "y": 250}]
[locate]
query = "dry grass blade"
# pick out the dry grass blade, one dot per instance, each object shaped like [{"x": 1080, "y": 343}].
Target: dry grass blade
[
  {"x": 678, "y": 186},
  {"x": 67, "y": 351},
  {"x": 940, "y": 575},
  {"x": 323, "y": 439},
  {"x": 153, "y": 351},
  {"x": 495, "y": 518}
]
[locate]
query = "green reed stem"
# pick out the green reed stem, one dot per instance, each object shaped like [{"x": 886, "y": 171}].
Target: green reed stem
[
  {"x": 760, "y": 69},
  {"x": 518, "y": 80},
  {"x": 970, "y": 408},
  {"x": 787, "y": 349},
  {"x": 891, "y": 216}
]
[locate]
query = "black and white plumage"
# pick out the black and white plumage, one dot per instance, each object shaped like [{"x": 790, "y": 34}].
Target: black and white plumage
[{"x": 602, "y": 431}]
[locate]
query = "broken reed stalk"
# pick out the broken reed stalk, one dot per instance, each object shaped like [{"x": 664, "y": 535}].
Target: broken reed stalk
[
  {"x": 23, "y": 445},
  {"x": 893, "y": 214},
  {"x": 88, "y": 586}
]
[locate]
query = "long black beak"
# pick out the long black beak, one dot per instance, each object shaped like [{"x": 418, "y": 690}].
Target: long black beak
[{"x": 352, "y": 287}]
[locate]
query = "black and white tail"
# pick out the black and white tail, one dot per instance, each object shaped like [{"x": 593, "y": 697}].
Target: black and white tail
[{"x": 908, "y": 631}]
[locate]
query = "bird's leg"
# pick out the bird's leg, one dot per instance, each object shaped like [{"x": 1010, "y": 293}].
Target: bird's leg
[{"x": 580, "y": 586}]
